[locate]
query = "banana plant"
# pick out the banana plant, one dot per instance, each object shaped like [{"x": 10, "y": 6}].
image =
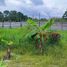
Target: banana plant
[
  {"x": 9, "y": 44},
  {"x": 39, "y": 32},
  {"x": 2, "y": 64}
]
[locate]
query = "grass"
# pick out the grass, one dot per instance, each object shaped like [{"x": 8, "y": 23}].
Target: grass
[
  {"x": 24, "y": 51},
  {"x": 38, "y": 61}
]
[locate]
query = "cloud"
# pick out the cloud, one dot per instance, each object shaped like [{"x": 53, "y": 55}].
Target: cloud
[
  {"x": 55, "y": 3},
  {"x": 46, "y": 8},
  {"x": 2, "y": 2},
  {"x": 37, "y": 2}
]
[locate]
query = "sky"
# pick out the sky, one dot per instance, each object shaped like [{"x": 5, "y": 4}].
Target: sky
[{"x": 32, "y": 8}]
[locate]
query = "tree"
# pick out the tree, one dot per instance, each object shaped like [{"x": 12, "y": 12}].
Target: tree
[
  {"x": 19, "y": 16},
  {"x": 13, "y": 15},
  {"x": 65, "y": 15},
  {"x": 6, "y": 15},
  {"x": 1, "y": 17},
  {"x": 8, "y": 52},
  {"x": 39, "y": 33},
  {"x": 25, "y": 18}
]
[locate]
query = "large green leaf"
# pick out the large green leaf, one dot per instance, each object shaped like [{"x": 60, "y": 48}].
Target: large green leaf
[
  {"x": 48, "y": 24},
  {"x": 31, "y": 22},
  {"x": 35, "y": 29},
  {"x": 29, "y": 34}
]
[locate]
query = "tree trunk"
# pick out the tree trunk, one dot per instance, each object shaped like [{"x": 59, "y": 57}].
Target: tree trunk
[
  {"x": 41, "y": 45},
  {"x": 8, "y": 54},
  {"x": 45, "y": 37},
  {"x": 37, "y": 43}
]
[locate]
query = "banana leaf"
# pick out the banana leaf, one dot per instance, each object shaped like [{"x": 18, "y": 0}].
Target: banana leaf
[
  {"x": 31, "y": 22},
  {"x": 48, "y": 24},
  {"x": 30, "y": 34}
]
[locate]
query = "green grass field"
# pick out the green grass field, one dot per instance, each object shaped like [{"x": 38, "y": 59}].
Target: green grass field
[{"x": 24, "y": 52}]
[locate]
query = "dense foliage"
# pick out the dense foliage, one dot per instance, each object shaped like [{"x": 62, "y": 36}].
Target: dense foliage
[
  {"x": 65, "y": 15},
  {"x": 12, "y": 16},
  {"x": 40, "y": 34}
]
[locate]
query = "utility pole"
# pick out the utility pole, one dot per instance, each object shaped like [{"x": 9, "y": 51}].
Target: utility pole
[
  {"x": 33, "y": 16},
  {"x": 39, "y": 19}
]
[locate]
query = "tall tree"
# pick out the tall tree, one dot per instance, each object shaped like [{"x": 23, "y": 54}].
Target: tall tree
[
  {"x": 65, "y": 15},
  {"x": 20, "y": 16},
  {"x": 13, "y": 15},
  {"x": 1, "y": 16},
  {"x": 6, "y": 15}
]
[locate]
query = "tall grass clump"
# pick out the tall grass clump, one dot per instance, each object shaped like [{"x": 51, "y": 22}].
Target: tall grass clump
[{"x": 17, "y": 36}]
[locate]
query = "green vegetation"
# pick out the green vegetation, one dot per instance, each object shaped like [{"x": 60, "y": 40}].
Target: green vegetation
[
  {"x": 60, "y": 20},
  {"x": 12, "y": 16},
  {"x": 39, "y": 33},
  {"x": 65, "y": 15},
  {"x": 21, "y": 46},
  {"x": 2, "y": 64},
  {"x": 23, "y": 51}
]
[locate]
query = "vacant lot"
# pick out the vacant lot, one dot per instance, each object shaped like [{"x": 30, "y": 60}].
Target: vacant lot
[{"x": 23, "y": 52}]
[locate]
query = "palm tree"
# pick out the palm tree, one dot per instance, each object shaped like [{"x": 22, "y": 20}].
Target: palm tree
[{"x": 8, "y": 52}]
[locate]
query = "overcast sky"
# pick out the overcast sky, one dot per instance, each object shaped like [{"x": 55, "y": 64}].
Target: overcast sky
[{"x": 46, "y": 8}]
